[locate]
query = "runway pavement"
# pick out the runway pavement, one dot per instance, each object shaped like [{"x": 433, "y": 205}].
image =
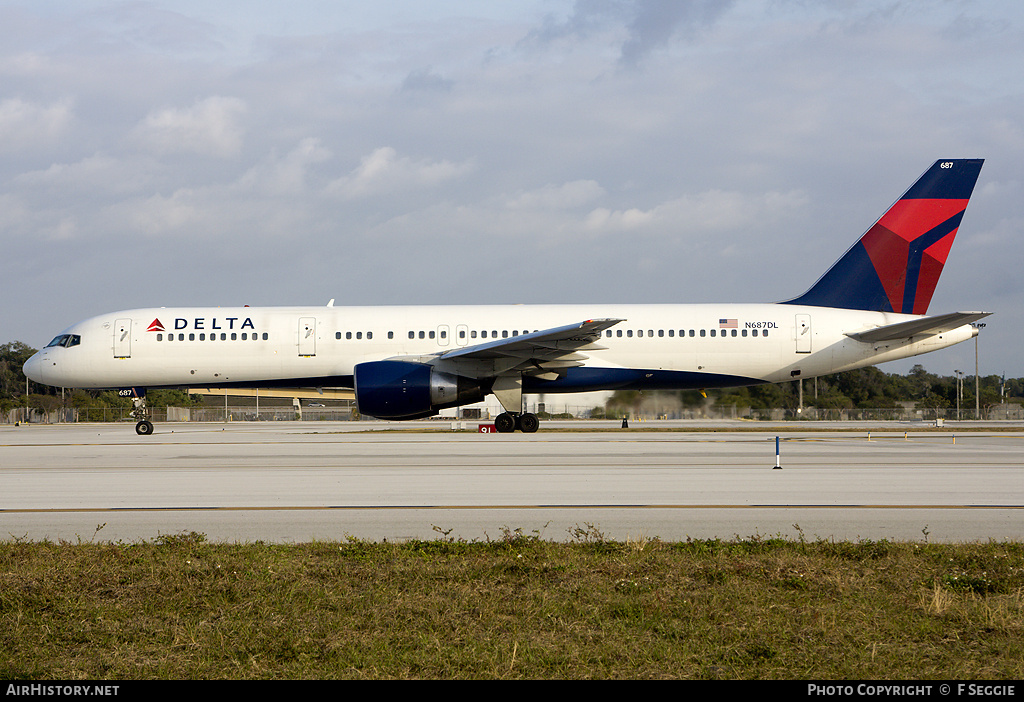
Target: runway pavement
[{"x": 299, "y": 481}]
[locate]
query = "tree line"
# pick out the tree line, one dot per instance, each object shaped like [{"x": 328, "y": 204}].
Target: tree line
[
  {"x": 864, "y": 388},
  {"x": 18, "y": 391}
]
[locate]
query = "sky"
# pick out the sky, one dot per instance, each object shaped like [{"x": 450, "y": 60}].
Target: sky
[{"x": 178, "y": 152}]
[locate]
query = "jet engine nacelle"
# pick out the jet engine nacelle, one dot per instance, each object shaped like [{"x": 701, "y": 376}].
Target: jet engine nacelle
[{"x": 403, "y": 390}]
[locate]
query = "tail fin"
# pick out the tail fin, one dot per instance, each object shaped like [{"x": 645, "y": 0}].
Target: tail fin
[{"x": 896, "y": 264}]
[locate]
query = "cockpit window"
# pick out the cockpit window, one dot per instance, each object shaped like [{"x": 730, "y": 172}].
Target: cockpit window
[{"x": 65, "y": 340}]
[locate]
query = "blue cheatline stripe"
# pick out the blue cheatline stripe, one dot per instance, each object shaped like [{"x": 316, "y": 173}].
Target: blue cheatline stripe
[
  {"x": 588, "y": 378},
  {"x": 916, "y": 254}
]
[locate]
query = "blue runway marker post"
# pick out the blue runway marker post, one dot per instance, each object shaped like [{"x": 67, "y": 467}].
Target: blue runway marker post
[{"x": 778, "y": 466}]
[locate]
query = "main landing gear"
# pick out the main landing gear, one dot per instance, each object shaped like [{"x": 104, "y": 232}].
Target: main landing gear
[
  {"x": 509, "y": 391},
  {"x": 507, "y": 422}
]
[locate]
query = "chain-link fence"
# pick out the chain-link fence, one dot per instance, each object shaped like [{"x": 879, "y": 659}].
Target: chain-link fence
[
  {"x": 347, "y": 411},
  {"x": 181, "y": 414}
]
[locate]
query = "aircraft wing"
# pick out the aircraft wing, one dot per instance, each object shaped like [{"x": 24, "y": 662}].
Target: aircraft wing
[
  {"x": 545, "y": 354},
  {"x": 926, "y": 326}
]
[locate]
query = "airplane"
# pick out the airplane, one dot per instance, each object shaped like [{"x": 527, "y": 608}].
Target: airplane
[{"x": 408, "y": 362}]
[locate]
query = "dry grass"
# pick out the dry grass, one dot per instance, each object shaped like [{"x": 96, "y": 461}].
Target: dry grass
[{"x": 514, "y": 607}]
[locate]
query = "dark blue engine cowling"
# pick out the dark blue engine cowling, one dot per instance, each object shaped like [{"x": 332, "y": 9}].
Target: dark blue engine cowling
[{"x": 403, "y": 390}]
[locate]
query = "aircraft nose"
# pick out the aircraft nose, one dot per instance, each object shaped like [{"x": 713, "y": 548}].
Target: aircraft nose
[{"x": 33, "y": 368}]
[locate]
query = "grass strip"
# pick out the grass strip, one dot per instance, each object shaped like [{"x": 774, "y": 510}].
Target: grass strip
[{"x": 515, "y": 606}]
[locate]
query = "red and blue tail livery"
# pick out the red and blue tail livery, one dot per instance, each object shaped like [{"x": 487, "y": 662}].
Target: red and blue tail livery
[{"x": 896, "y": 264}]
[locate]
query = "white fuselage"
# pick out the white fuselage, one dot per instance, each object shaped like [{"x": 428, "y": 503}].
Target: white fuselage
[{"x": 713, "y": 344}]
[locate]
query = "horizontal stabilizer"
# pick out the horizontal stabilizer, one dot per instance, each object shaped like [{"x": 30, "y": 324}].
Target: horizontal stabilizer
[{"x": 926, "y": 326}]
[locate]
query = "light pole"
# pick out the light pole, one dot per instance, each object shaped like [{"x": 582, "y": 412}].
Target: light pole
[
  {"x": 958, "y": 375},
  {"x": 977, "y": 385}
]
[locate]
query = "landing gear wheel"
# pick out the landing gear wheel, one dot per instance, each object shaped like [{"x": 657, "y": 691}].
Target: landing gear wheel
[
  {"x": 140, "y": 411},
  {"x": 505, "y": 423},
  {"x": 528, "y": 423}
]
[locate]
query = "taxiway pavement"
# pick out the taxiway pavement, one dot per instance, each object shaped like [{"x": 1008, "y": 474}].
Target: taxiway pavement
[{"x": 295, "y": 481}]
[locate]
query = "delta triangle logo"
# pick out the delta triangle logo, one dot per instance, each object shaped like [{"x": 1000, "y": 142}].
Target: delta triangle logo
[{"x": 156, "y": 326}]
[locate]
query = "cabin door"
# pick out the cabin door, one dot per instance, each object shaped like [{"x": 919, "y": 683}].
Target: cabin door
[
  {"x": 123, "y": 338},
  {"x": 803, "y": 333},
  {"x": 307, "y": 336}
]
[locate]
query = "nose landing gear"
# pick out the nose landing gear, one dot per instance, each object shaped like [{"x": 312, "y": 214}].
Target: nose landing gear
[{"x": 144, "y": 427}]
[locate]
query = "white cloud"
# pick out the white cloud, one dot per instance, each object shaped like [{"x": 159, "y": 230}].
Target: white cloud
[
  {"x": 384, "y": 171},
  {"x": 703, "y": 214},
  {"x": 99, "y": 173},
  {"x": 26, "y": 125},
  {"x": 558, "y": 197},
  {"x": 209, "y": 127},
  {"x": 158, "y": 215},
  {"x": 288, "y": 174}
]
